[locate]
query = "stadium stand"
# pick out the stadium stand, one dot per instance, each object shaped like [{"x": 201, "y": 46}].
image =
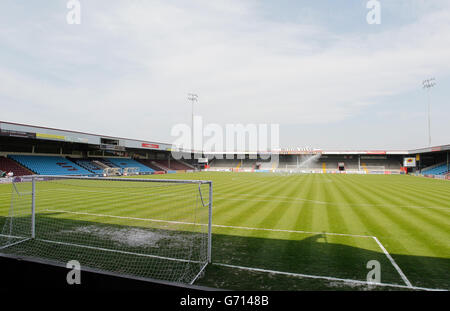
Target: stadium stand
[
  {"x": 126, "y": 162},
  {"x": 248, "y": 164},
  {"x": 440, "y": 169},
  {"x": 160, "y": 166},
  {"x": 174, "y": 165},
  {"x": 50, "y": 165},
  {"x": 187, "y": 165},
  {"x": 306, "y": 163},
  {"x": 150, "y": 164},
  {"x": 9, "y": 165},
  {"x": 224, "y": 163},
  {"x": 388, "y": 164},
  {"x": 105, "y": 161},
  {"x": 99, "y": 164},
  {"x": 329, "y": 164},
  {"x": 89, "y": 165}
]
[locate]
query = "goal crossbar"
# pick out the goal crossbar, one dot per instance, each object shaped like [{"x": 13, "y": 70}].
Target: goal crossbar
[{"x": 172, "y": 181}]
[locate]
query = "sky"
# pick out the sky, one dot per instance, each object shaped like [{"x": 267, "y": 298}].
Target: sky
[{"x": 317, "y": 68}]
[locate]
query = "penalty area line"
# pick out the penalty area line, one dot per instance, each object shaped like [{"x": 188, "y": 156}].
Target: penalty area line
[
  {"x": 328, "y": 278},
  {"x": 400, "y": 272},
  {"x": 394, "y": 264}
]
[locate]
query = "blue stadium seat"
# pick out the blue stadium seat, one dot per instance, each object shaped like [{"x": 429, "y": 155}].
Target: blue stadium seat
[
  {"x": 125, "y": 162},
  {"x": 89, "y": 165},
  {"x": 50, "y": 165},
  {"x": 437, "y": 170}
]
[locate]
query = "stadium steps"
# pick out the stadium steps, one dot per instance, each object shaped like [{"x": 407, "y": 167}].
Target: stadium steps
[
  {"x": 174, "y": 165},
  {"x": 107, "y": 162},
  {"x": 100, "y": 164},
  {"x": 187, "y": 165},
  {"x": 149, "y": 163},
  {"x": 160, "y": 166},
  {"x": 88, "y": 164}
]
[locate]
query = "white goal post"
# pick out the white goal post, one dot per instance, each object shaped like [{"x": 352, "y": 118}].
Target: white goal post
[{"x": 154, "y": 229}]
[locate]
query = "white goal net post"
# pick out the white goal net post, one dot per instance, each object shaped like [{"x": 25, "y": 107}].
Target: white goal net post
[{"x": 154, "y": 229}]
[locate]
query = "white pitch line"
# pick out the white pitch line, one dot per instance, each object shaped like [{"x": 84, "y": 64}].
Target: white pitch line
[
  {"x": 336, "y": 204},
  {"x": 402, "y": 275},
  {"x": 327, "y": 278},
  {"x": 293, "y": 231},
  {"x": 400, "y": 272},
  {"x": 394, "y": 264},
  {"x": 218, "y": 226},
  {"x": 125, "y": 217}
]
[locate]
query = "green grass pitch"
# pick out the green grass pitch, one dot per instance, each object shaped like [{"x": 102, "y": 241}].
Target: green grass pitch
[{"x": 315, "y": 231}]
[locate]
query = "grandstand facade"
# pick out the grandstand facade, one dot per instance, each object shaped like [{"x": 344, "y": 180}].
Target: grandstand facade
[{"x": 27, "y": 150}]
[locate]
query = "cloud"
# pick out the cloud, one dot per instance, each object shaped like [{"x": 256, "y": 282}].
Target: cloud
[{"x": 127, "y": 69}]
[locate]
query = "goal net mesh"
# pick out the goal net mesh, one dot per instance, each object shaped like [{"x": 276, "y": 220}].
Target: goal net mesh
[
  {"x": 112, "y": 171},
  {"x": 146, "y": 228},
  {"x": 128, "y": 171}
]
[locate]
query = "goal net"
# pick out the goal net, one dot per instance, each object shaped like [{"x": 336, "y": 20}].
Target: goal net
[
  {"x": 112, "y": 171},
  {"x": 145, "y": 228},
  {"x": 127, "y": 171}
]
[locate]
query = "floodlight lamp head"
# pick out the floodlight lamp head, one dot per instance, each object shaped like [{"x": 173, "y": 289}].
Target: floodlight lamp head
[
  {"x": 192, "y": 96},
  {"x": 429, "y": 83}
]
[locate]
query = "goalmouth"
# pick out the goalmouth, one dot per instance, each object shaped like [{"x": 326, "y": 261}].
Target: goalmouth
[{"x": 142, "y": 228}]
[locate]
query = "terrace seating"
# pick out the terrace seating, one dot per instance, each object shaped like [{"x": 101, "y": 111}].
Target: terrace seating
[
  {"x": 436, "y": 170},
  {"x": 151, "y": 164},
  {"x": 8, "y": 165},
  {"x": 50, "y": 165},
  {"x": 126, "y": 162},
  {"x": 89, "y": 165},
  {"x": 106, "y": 162},
  {"x": 173, "y": 165}
]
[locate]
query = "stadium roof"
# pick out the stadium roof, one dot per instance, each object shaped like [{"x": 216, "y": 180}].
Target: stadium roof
[{"x": 46, "y": 133}]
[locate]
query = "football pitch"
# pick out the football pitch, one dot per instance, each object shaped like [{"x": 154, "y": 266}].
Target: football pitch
[{"x": 301, "y": 231}]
